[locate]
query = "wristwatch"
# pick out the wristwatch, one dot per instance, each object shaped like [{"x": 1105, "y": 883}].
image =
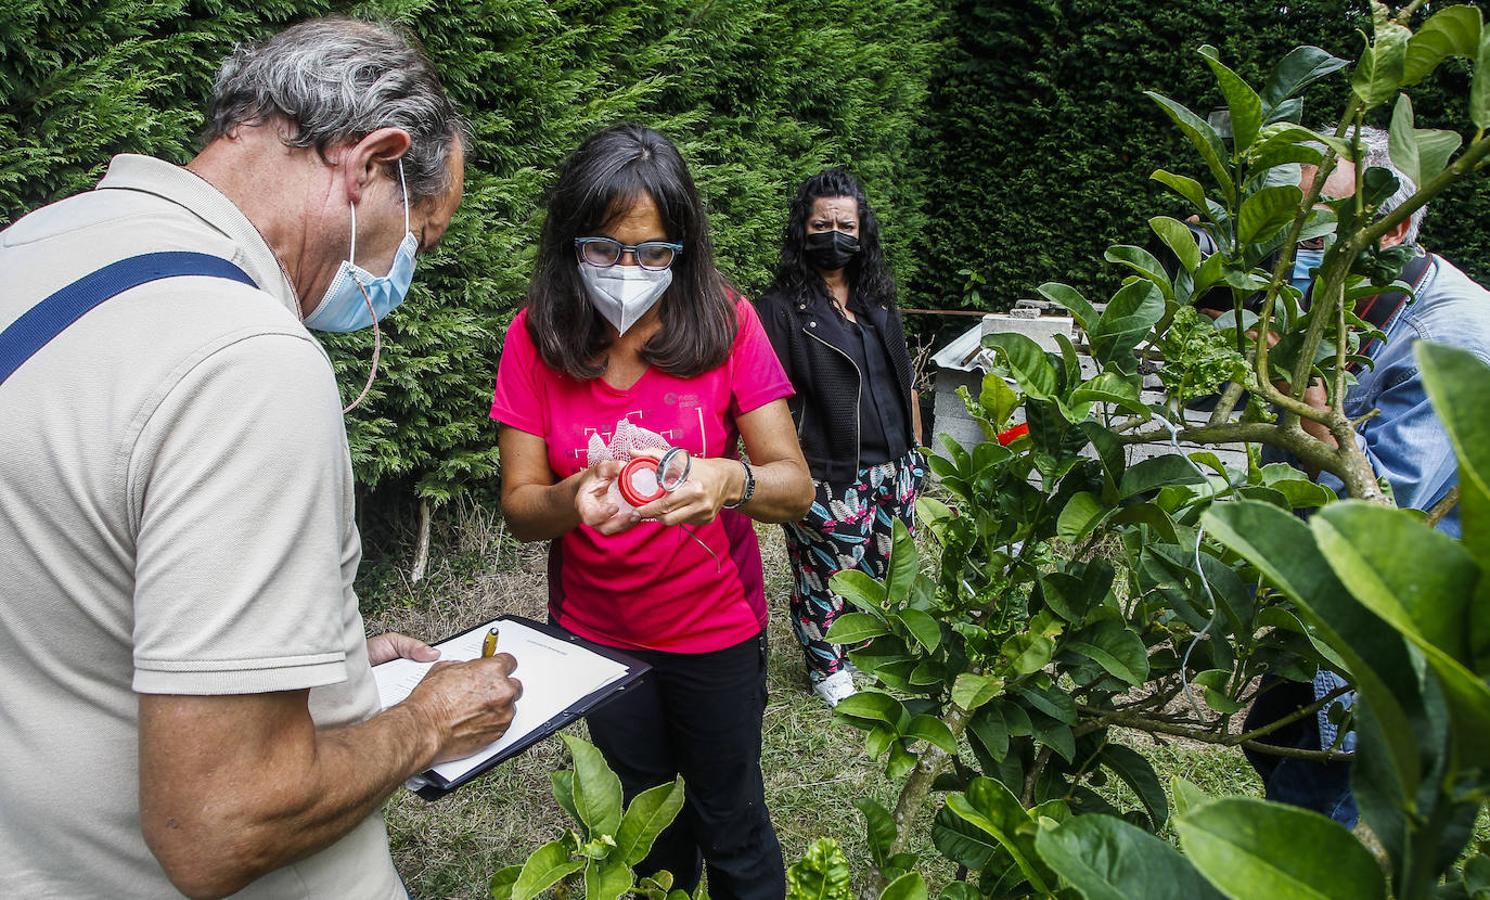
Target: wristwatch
[{"x": 749, "y": 490}]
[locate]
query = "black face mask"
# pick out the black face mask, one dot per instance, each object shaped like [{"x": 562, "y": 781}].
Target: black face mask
[{"x": 830, "y": 251}]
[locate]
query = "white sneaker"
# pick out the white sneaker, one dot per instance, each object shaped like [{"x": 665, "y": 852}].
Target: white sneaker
[{"x": 836, "y": 687}]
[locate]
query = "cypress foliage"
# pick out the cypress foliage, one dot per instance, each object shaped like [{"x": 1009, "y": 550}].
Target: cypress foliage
[
  {"x": 1043, "y": 142},
  {"x": 758, "y": 94}
]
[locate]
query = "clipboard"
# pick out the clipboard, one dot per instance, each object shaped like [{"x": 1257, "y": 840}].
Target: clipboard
[{"x": 431, "y": 785}]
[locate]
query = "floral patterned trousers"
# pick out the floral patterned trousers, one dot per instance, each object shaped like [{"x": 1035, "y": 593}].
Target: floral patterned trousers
[{"x": 845, "y": 529}]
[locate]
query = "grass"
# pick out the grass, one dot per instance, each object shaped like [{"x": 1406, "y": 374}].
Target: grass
[{"x": 815, "y": 768}]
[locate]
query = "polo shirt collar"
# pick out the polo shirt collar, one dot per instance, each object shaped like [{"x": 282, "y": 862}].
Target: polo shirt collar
[{"x": 181, "y": 186}]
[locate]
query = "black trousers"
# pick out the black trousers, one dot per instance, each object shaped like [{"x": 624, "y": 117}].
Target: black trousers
[{"x": 699, "y": 715}]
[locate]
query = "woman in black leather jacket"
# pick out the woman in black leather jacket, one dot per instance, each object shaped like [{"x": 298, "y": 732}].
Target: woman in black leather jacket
[{"x": 832, "y": 318}]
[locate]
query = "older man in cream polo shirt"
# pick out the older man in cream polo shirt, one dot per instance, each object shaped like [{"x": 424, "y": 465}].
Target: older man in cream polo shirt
[{"x": 187, "y": 696}]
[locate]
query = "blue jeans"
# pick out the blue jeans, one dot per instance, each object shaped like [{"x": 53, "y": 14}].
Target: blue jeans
[{"x": 1322, "y": 787}]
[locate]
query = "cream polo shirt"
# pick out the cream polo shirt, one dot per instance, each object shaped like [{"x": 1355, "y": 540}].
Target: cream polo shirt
[{"x": 176, "y": 516}]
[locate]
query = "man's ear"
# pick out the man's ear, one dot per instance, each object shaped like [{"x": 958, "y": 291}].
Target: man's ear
[
  {"x": 1397, "y": 235},
  {"x": 361, "y": 162}
]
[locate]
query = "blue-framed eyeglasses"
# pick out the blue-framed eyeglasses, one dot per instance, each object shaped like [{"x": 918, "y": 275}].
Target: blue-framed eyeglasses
[{"x": 604, "y": 252}]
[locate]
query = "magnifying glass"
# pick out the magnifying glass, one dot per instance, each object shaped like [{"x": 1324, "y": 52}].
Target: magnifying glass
[{"x": 645, "y": 479}]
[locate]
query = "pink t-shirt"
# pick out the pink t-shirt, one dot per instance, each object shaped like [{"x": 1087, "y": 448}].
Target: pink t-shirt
[{"x": 651, "y": 587}]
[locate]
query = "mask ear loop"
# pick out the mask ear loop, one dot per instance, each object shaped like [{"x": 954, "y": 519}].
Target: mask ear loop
[{"x": 366, "y": 298}]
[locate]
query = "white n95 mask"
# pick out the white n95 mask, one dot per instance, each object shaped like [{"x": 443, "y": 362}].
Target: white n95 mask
[{"x": 623, "y": 294}]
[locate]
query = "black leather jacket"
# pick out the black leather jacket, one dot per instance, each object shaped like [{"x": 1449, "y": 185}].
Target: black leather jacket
[{"x": 826, "y": 406}]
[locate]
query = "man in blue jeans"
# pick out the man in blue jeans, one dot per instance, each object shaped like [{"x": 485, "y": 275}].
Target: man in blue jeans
[{"x": 1406, "y": 443}]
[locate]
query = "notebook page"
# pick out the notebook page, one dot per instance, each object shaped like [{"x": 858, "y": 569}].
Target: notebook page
[{"x": 555, "y": 675}]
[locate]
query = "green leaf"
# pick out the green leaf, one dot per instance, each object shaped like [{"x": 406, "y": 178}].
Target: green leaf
[
  {"x": 1452, "y": 31},
  {"x": 1082, "y": 513},
  {"x": 854, "y": 628},
  {"x": 1214, "y": 683},
  {"x": 1252, "y": 848},
  {"x": 1125, "y": 322},
  {"x": 821, "y": 874},
  {"x": 1282, "y": 547},
  {"x": 858, "y": 588},
  {"x": 1203, "y": 137},
  {"x": 1052, "y": 701},
  {"x": 1178, "y": 239},
  {"x": 650, "y": 811},
  {"x": 910, "y": 886},
  {"x": 544, "y": 868},
  {"x": 965, "y": 843},
  {"x": 879, "y": 828},
  {"x": 1423, "y": 583},
  {"x": 563, "y": 786},
  {"x": 606, "y": 880},
  {"x": 1157, "y": 472},
  {"x": 1111, "y": 645},
  {"x": 597, "y": 790},
  {"x": 1026, "y": 361},
  {"x": 1142, "y": 262},
  {"x": 502, "y": 882},
  {"x": 1138, "y": 774},
  {"x": 1055, "y": 735},
  {"x": 905, "y": 562},
  {"x": 1187, "y": 796},
  {"x": 988, "y": 728},
  {"x": 972, "y": 690},
  {"x": 1479, "y": 86},
  {"x": 1106, "y": 858},
  {"x": 1183, "y": 185},
  {"x": 925, "y": 629},
  {"x": 989, "y": 805},
  {"x": 1109, "y": 387},
  {"x": 1421, "y": 153},
  {"x": 934, "y": 731},
  {"x": 1244, "y": 104},
  {"x": 1300, "y": 68},
  {"x": 1082, "y": 311},
  {"x": 1379, "y": 72},
  {"x": 998, "y": 399},
  {"x": 1267, "y": 212},
  {"x": 874, "y": 706}
]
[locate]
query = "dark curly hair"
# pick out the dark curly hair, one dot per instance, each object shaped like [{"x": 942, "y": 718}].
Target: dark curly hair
[
  {"x": 869, "y": 279},
  {"x": 597, "y": 184}
]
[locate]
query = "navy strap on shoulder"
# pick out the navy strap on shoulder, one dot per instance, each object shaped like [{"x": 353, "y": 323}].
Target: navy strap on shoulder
[{"x": 41, "y": 323}]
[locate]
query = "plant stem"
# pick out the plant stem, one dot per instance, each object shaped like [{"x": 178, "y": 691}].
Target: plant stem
[
  {"x": 1027, "y": 799},
  {"x": 1442, "y": 507},
  {"x": 1153, "y": 726},
  {"x": 918, "y": 785}
]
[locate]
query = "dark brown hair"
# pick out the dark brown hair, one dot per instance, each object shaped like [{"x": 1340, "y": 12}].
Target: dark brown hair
[{"x": 596, "y": 185}]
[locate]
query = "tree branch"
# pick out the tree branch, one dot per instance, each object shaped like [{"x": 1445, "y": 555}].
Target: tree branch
[{"x": 1443, "y": 507}]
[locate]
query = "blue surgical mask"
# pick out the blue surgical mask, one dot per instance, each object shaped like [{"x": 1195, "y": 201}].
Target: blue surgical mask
[
  {"x": 345, "y": 306},
  {"x": 1304, "y": 264}
]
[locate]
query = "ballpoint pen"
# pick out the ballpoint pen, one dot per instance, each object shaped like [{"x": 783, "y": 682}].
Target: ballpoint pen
[{"x": 489, "y": 643}]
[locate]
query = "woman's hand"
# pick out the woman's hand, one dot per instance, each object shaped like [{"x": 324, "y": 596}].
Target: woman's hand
[
  {"x": 711, "y": 483},
  {"x": 594, "y": 504}
]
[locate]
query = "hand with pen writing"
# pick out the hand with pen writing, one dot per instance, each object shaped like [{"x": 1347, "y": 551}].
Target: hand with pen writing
[{"x": 468, "y": 704}]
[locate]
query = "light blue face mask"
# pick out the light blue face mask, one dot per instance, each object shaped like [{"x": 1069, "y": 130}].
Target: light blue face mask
[
  {"x": 1304, "y": 264},
  {"x": 357, "y": 298}
]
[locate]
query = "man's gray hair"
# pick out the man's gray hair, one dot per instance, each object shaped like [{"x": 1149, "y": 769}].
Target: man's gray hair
[
  {"x": 335, "y": 80},
  {"x": 1376, "y": 151}
]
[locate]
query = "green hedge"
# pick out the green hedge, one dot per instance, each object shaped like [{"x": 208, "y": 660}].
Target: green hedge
[
  {"x": 1006, "y": 138},
  {"x": 759, "y": 94},
  {"x": 1045, "y": 141}
]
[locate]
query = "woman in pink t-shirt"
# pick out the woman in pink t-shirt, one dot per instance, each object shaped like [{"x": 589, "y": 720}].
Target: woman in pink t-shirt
[{"x": 630, "y": 336}]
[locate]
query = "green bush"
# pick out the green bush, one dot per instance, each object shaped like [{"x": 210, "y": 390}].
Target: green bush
[
  {"x": 758, "y": 94},
  {"x": 1043, "y": 143}
]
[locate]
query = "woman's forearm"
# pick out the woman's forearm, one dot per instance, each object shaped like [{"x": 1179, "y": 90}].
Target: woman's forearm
[
  {"x": 541, "y": 512},
  {"x": 783, "y": 492}
]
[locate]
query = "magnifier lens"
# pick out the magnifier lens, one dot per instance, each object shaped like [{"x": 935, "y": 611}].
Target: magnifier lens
[{"x": 673, "y": 469}]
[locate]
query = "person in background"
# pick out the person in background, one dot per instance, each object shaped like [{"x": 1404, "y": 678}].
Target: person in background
[
  {"x": 832, "y": 318},
  {"x": 189, "y": 700},
  {"x": 1406, "y": 443},
  {"x": 630, "y": 329}
]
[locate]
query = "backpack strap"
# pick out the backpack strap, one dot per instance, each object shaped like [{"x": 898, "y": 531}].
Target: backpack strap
[{"x": 38, "y": 325}]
